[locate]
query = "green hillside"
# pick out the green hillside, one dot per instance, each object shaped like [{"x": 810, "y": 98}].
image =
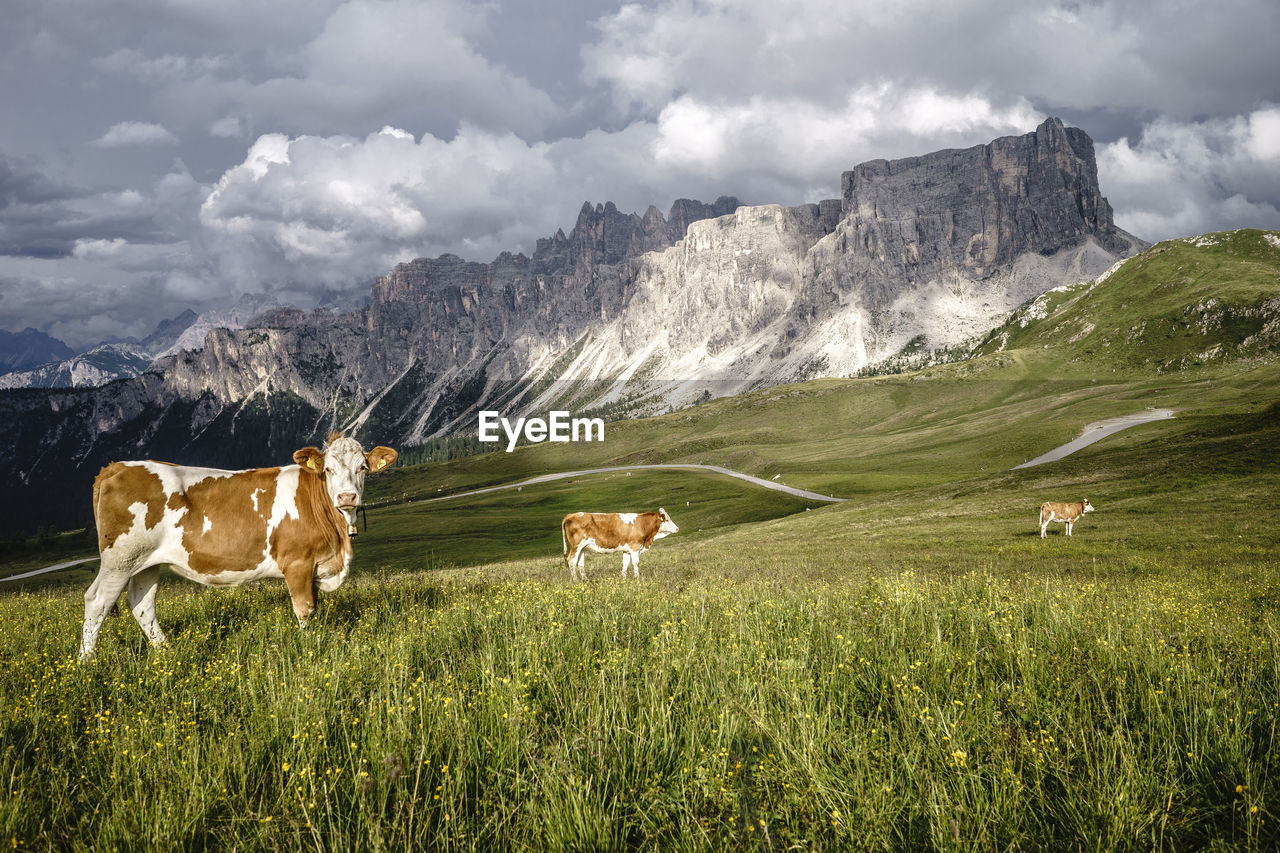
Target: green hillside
[{"x": 1181, "y": 304}]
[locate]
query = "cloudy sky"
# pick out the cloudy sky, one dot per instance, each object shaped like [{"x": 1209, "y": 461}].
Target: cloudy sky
[{"x": 163, "y": 154}]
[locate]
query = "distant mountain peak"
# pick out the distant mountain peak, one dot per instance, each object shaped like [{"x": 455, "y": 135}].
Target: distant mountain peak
[{"x": 29, "y": 348}]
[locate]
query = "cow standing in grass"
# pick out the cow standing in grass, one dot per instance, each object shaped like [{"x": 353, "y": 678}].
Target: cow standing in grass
[
  {"x": 610, "y": 532},
  {"x": 224, "y": 528},
  {"x": 1067, "y": 513}
]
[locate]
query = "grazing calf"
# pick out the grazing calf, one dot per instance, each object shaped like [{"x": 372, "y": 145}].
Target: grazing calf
[
  {"x": 223, "y": 528},
  {"x": 609, "y": 532},
  {"x": 1067, "y": 513}
]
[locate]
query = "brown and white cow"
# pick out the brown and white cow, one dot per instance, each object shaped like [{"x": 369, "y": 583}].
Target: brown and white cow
[
  {"x": 610, "y": 532},
  {"x": 1067, "y": 513},
  {"x": 224, "y": 528}
]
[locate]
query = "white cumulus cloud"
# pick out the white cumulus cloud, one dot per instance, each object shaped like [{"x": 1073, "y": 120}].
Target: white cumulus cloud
[
  {"x": 98, "y": 248},
  {"x": 136, "y": 133},
  {"x": 1184, "y": 178},
  {"x": 1148, "y": 55},
  {"x": 788, "y": 149},
  {"x": 337, "y": 210},
  {"x": 377, "y": 60}
]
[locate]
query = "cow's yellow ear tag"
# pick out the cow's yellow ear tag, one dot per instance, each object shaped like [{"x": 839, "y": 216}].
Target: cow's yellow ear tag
[
  {"x": 382, "y": 463},
  {"x": 311, "y": 463}
]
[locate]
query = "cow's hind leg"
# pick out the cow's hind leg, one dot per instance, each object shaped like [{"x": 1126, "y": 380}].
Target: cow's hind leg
[
  {"x": 98, "y": 599},
  {"x": 626, "y": 561},
  {"x": 142, "y": 601},
  {"x": 1044, "y": 525},
  {"x": 635, "y": 565}
]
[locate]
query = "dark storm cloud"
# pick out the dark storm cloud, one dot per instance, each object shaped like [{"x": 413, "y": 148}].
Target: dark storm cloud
[{"x": 44, "y": 218}]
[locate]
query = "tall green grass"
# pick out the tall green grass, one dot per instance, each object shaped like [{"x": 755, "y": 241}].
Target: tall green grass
[{"x": 911, "y": 711}]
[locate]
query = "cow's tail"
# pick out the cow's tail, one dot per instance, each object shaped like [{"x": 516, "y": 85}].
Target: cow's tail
[
  {"x": 564, "y": 541},
  {"x": 103, "y": 475},
  {"x": 97, "y": 492}
]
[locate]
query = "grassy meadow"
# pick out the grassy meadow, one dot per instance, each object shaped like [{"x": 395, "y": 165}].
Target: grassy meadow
[
  {"x": 1103, "y": 692},
  {"x": 912, "y": 669}
]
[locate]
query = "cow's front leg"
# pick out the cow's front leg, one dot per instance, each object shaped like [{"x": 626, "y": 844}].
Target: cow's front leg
[
  {"x": 302, "y": 591},
  {"x": 635, "y": 564},
  {"x": 1068, "y": 528},
  {"x": 142, "y": 602}
]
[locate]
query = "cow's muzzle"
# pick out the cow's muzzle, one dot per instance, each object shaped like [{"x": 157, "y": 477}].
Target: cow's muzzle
[{"x": 348, "y": 501}]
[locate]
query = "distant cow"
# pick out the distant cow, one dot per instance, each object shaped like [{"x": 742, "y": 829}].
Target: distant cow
[
  {"x": 223, "y": 528},
  {"x": 1067, "y": 513},
  {"x": 610, "y": 532}
]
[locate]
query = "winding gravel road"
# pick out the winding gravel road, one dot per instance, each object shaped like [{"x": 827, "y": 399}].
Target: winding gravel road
[
  {"x": 47, "y": 569},
  {"x": 1097, "y": 431},
  {"x": 547, "y": 478}
]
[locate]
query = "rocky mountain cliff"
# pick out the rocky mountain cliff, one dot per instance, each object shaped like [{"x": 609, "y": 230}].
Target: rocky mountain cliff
[{"x": 626, "y": 314}]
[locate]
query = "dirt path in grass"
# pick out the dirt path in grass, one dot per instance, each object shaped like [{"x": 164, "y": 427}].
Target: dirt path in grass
[
  {"x": 1097, "y": 431},
  {"x": 547, "y": 478}
]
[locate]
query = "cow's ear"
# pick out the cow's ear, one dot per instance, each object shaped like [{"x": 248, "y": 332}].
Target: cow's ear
[
  {"x": 309, "y": 457},
  {"x": 380, "y": 457}
]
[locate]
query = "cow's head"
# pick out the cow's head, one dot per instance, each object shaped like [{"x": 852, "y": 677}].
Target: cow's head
[
  {"x": 343, "y": 465},
  {"x": 667, "y": 527},
  {"x": 1085, "y": 506}
]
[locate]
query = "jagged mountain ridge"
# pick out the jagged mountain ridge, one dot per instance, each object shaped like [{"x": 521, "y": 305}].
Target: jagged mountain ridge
[
  {"x": 926, "y": 251},
  {"x": 626, "y": 314},
  {"x": 102, "y": 364},
  {"x": 29, "y": 348},
  {"x": 128, "y": 357}
]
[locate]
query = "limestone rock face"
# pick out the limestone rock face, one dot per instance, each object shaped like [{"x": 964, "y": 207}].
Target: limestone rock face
[
  {"x": 625, "y": 314},
  {"x": 921, "y": 253},
  {"x": 976, "y": 210}
]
